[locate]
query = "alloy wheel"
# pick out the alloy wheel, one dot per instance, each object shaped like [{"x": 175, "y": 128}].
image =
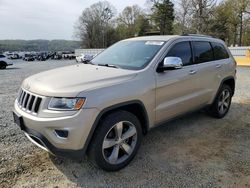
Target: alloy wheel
[
  {"x": 224, "y": 101},
  {"x": 119, "y": 143}
]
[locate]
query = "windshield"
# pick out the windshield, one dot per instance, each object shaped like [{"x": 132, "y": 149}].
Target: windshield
[{"x": 129, "y": 54}]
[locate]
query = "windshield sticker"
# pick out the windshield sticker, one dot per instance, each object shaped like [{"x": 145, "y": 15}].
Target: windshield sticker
[{"x": 158, "y": 43}]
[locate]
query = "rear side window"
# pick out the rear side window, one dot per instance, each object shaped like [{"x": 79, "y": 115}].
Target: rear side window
[
  {"x": 219, "y": 51},
  {"x": 203, "y": 52},
  {"x": 183, "y": 51},
  {"x": 2, "y": 56}
]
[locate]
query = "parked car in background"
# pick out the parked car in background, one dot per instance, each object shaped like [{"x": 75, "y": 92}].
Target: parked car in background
[
  {"x": 29, "y": 57},
  {"x": 79, "y": 58},
  {"x": 42, "y": 56},
  {"x": 68, "y": 55},
  {"x": 15, "y": 56},
  {"x": 84, "y": 58},
  {"x": 4, "y": 62},
  {"x": 8, "y": 55},
  {"x": 57, "y": 56}
]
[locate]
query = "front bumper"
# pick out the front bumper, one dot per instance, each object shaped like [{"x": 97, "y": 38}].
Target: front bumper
[{"x": 41, "y": 131}]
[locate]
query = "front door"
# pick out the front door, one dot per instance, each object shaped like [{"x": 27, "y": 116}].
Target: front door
[{"x": 177, "y": 90}]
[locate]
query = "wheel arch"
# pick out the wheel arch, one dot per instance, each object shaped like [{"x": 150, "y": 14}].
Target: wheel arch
[
  {"x": 136, "y": 107},
  {"x": 3, "y": 63},
  {"x": 230, "y": 81}
]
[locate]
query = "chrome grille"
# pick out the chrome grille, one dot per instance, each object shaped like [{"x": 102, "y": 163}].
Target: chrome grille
[{"x": 29, "y": 102}]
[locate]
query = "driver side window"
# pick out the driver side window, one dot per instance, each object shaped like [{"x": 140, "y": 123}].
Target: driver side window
[{"x": 182, "y": 50}]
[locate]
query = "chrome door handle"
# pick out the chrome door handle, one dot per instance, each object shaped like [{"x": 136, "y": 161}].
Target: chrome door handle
[
  {"x": 192, "y": 72},
  {"x": 218, "y": 66}
]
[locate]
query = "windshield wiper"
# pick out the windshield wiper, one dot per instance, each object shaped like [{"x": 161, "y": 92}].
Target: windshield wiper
[{"x": 108, "y": 65}]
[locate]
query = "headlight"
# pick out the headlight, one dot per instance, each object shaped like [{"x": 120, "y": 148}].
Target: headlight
[{"x": 66, "y": 103}]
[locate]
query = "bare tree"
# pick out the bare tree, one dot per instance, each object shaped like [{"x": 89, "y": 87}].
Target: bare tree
[
  {"x": 92, "y": 25},
  {"x": 183, "y": 14},
  {"x": 229, "y": 20},
  {"x": 129, "y": 15},
  {"x": 130, "y": 19},
  {"x": 202, "y": 10}
]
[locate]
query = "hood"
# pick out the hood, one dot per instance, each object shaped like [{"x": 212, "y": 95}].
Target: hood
[{"x": 71, "y": 80}]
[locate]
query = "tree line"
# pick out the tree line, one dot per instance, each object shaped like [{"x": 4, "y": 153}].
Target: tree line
[
  {"x": 38, "y": 45},
  {"x": 99, "y": 25}
]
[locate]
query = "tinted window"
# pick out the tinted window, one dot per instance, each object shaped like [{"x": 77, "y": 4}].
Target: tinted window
[
  {"x": 2, "y": 56},
  {"x": 219, "y": 51},
  {"x": 183, "y": 51},
  {"x": 203, "y": 52}
]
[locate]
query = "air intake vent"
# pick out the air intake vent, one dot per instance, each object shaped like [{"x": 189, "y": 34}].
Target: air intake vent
[{"x": 29, "y": 102}]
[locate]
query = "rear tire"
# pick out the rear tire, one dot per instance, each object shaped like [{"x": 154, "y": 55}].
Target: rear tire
[
  {"x": 222, "y": 102},
  {"x": 116, "y": 141}
]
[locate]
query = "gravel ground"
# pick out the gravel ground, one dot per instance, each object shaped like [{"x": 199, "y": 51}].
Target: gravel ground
[{"x": 193, "y": 151}]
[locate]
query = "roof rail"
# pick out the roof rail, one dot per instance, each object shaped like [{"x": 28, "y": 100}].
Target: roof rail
[{"x": 196, "y": 35}]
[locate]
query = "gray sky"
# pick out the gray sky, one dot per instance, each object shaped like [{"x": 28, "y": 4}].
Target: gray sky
[{"x": 46, "y": 19}]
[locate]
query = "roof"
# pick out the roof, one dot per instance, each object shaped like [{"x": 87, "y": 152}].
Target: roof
[
  {"x": 156, "y": 37},
  {"x": 168, "y": 37}
]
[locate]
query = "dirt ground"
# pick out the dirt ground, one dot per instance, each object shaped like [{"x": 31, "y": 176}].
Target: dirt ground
[{"x": 193, "y": 151}]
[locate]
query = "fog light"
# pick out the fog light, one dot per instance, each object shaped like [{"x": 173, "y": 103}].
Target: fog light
[{"x": 62, "y": 133}]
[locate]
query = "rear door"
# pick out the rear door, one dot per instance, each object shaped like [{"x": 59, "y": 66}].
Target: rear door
[
  {"x": 208, "y": 70},
  {"x": 221, "y": 57}
]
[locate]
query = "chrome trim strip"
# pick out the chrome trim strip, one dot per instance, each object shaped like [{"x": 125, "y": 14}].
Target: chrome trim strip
[
  {"x": 34, "y": 142},
  {"x": 34, "y": 104},
  {"x": 26, "y": 95},
  {"x": 22, "y": 98},
  {"x": 19, "y": 95},
  {"x": 28, "y": 103}
]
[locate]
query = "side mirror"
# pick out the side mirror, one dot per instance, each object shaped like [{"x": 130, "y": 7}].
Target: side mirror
[{"x": 170, "y": 63}]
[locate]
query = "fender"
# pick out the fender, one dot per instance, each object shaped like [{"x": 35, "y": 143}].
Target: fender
[
  {"x": 222, "y": 82},
  {"x": 108, "y": 109}
]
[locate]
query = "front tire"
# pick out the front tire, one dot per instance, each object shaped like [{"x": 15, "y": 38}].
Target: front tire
[
  {"x": 116, "y": 141},
  {"x": 3, "y": 65},
  {"x": 222, "y": 102}
]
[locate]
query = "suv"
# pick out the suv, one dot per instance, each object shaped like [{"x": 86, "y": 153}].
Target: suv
[
  {"x": 84, "y": 58},
  {"x": 103, "y": 108}
]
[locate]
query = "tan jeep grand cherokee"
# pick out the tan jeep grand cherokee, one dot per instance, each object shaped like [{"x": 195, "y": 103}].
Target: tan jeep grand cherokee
[{"x": 103, "y": 108}]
